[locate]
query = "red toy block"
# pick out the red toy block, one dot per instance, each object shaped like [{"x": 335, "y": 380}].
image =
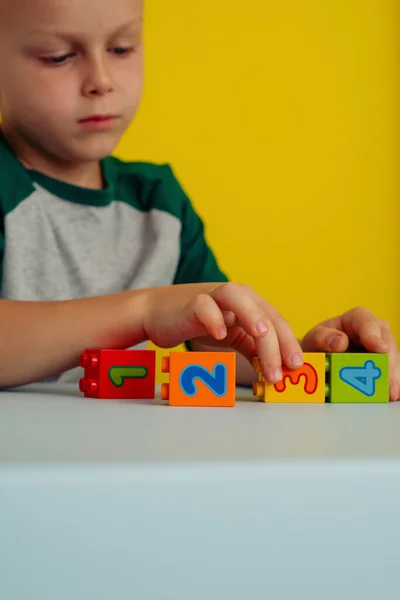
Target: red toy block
[{"x": 118, "y": 374}]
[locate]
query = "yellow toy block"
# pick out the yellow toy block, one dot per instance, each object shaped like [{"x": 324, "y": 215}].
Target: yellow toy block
[{"x": 306, "y": 384}]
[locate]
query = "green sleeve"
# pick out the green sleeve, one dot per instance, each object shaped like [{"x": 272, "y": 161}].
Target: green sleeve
[
  {"x": 160, "y": 189},
  {"x": 197, "y": 262}
]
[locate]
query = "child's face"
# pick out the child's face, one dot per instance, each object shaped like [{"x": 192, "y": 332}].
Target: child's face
[{"x": 62, "y": 61}]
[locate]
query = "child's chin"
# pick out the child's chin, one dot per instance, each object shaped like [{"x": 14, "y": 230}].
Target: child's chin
[{"x": 97, "y": 149}]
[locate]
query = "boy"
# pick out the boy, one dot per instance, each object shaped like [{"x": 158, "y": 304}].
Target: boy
[{"x": 90, "y": 245}]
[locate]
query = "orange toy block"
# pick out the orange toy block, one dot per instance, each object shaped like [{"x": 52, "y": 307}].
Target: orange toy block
[
  {"x": 306, "y": 384},
  {"x": 200, "y": 379}
]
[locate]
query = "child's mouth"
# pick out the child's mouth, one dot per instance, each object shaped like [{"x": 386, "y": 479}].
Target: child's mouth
[{"x": 98, "y": 122}]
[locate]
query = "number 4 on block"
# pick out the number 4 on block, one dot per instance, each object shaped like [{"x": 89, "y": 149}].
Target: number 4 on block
[
  {"x": 360, "y": 378},
  {"x": 200, "y": 379}
]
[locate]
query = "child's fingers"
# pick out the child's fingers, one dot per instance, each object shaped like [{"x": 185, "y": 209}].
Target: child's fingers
[
  {"x": 370, "y": 335},
  {"x": 290, "y": 349},
  {"x": 245, "y": 345},
  {"x": 325, "y": 339},
  {"x": 364, "y": 328},
  {"x": 269, "y": 353},
  {"x": 394, "y": 362},
  {"x": 245, "y": 304},
  {"x": 202, "y": 316},
  {"x": 268, "y": 350},
  {"x": 394, "y": 381},
  {"x": 273, "y": 336},
  {"x": 241, "y": 301},
  {"x": 229, "y": 318}
]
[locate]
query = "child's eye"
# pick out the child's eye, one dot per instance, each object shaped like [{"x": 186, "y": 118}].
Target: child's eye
[
  {"x": 57, "y": 60},
  {"x": 122, "y": 51}
]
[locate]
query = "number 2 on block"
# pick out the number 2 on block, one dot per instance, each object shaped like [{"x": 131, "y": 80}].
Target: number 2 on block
[{"x": 216, "y": 381}]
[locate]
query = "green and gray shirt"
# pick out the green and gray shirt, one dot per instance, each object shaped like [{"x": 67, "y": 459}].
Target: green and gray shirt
[{"x": 59, "y": 241}]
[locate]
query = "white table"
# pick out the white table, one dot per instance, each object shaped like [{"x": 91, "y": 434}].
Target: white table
[{"x": 113, "y": 500}]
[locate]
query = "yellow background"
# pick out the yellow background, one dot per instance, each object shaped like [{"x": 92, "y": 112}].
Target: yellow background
[{"x": 281, "y": 121}]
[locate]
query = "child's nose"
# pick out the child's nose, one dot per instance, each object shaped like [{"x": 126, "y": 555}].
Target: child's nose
[{"x": 98, "y": 79}]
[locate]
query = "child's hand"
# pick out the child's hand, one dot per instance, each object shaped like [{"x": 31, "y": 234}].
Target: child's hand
[
  {"x": 222, "y": 315},
  {"x": 361, "y": 328}
]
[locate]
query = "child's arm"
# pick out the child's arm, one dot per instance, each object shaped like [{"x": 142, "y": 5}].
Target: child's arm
[{"x": 39, "y": 339}]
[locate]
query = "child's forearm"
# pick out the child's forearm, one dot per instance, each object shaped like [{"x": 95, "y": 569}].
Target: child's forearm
[{"x": 40, "y": 339}]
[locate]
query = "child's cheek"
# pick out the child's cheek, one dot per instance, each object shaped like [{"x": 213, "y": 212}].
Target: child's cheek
[{"x": 60, "y": 96}]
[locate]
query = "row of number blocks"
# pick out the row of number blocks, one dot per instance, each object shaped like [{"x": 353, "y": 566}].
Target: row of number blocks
[{"x": 209, "y": 378}]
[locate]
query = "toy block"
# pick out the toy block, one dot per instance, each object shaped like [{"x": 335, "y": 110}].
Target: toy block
[
  {"x": 360, "y": 378},
  {"x": 118, "y": 374},
  {"x": 306, "y": 384},
  {"x": 200, "y": 379}
]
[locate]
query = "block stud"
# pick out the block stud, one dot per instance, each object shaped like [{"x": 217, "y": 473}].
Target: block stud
[
  {"x": 259, "y": 389},
  {"x": 88, "y": 361},
  {"x": 165, "y": 391},
  {"x": 84, "y": 361},
  {"x": 88, "y": 386},
  {"x": 165, "y": 364},
  {"x": 256, "y": 364}
]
